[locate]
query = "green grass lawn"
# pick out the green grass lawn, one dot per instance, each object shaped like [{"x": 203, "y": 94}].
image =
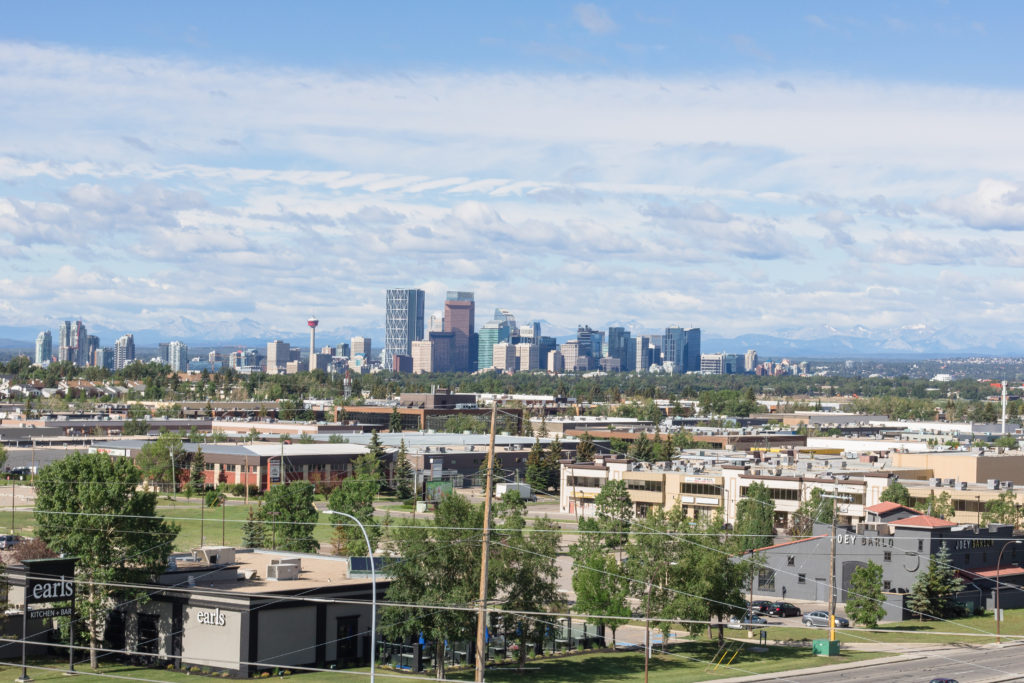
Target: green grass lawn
[
  {"x": 195, "y": 522},
  {"x": 682, "y": 664},
  {"x": 965, "y": 630}
]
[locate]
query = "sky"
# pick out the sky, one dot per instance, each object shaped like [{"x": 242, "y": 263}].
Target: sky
[{"x": 218, "y": 168}]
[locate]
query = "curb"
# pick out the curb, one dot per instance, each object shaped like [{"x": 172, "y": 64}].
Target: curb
[{"x": 828, "y": 668}]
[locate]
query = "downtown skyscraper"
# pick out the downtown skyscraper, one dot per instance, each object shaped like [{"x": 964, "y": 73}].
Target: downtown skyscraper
[
  {"x": 459, "y": 318},
  {"x": 403, "y": 323}
]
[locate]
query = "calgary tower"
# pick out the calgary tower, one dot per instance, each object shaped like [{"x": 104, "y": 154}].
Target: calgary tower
[{"x": 312, "y": 322}]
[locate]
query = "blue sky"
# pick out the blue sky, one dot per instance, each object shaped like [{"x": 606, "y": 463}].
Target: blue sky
[{"x": 743, "y": 167}]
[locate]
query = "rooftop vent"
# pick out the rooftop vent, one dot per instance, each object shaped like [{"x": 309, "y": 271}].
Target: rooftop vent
[{"x": 284, "y": 569}]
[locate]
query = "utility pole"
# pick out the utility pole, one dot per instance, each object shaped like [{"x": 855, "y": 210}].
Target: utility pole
[
  {"x": 481, "y": 619},
  {"x": 832, "y": 564}
]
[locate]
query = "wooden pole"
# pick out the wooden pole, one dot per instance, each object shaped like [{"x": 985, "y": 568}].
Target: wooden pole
[{"x": 481, "y": 619}]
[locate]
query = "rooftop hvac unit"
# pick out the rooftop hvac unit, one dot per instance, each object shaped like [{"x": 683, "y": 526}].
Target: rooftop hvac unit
[
  {"x": 284, "y": 570},
  {"x": 963, "y": 486},
  {"x": 951, "y": 482},
  {"x": 1009, "y": 485},
  {"x": 935, "y": 481},
  {"x": 993, "y": 483}
]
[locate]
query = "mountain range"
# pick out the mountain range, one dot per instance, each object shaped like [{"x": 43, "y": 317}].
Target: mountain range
[{"x": 822, "y": 341}]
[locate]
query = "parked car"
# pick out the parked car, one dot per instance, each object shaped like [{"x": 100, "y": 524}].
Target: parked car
[
  {"x": 747, "y": 619},
  {"x": 760, "y": 606},
  {"x": 783, "y": 609},
  {"x": 8, "y": 541},
  {"x": 943, "y": 680},
  {"x": 820, "y": 618}
]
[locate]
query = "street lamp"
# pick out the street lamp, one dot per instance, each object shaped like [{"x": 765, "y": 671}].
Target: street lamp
[
  {"x": 999, "y": 620},
  {"x": 373, "y": 579}
]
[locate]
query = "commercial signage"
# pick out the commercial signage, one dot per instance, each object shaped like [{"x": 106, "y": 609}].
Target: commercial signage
[
  {"x": 851, "y": 539},
  {"x": 212, "y": 617},
  {"x": 50, "y": 612},
  {"x": 275, "y": 471},
  {"x": 49, "y": 581}
]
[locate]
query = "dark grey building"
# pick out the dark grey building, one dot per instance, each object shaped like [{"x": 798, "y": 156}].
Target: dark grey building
[{"x": 901, "y": 541}]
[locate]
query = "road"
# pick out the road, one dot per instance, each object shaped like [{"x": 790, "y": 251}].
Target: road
[{"x": 985, "y": 664}]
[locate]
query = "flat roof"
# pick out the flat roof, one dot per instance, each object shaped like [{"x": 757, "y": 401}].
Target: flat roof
[{"x": 316, "y": 571}]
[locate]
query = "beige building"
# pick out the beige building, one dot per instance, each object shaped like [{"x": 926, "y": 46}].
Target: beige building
[
  {"x": 556, "y": 362},
  {"x": 504, "y": 357},
  {"x": 527, "y": 357},
  {"x": 278, "y": 355},
  {"x": 422, "y": 356},
  {"x": 361, "y": 345}
]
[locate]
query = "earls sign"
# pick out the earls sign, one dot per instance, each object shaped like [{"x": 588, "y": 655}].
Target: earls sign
[
  {"x": 47, "y": 582},
  {"x": 211, "y": 617}
]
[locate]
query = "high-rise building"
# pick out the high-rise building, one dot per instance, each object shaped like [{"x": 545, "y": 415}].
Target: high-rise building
[
  {"x": 44, "y": 347},
  {"x": 556, "y": 363},
  {"x": 459, "y": 319},
  {"x": 712, "y": 363},
  {"x": 422, "y": 356},
  {"x": 546, "y": 345},
  {"x": 403, "y": 323},
  {"x": 529, "y": 333},
  {"x": 93, "y": 346},
  {"x": 619, "y": 341},
  {"x": 164, "y": 352},
  {"x": 362, "y": 345},
  {"x": 527, "y": 356},
  {"x": 80, "y": 342},
  {"x": 64, "y": 346},
  {"x": 504, "y": 357},
  {"x": 278, "y": 355},
  {"x": 104, "y": 358},
  {"x": 681, "y": 347},
  {"x": 642, "y": 354},
  {"x": 177, "y": 356},
  {"x": 573, "y": 356},
  {"x": 493, "y": 332},
  {"x": 443, "y": 351},
  {"x": 124, "y": 351},
  {"x": 750, "y": 361},
  {"x": 436, "y": 322}
]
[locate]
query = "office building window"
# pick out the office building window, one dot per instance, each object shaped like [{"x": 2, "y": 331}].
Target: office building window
[
  {"x": 801, "y": 578},
  {"x": 766, "y": 579},
  {"x": 790, "y": 561},
  {"x": 887, "y": 556}
]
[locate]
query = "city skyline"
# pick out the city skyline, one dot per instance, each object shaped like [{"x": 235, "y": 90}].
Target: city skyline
[{"x": 746, "y": 172}]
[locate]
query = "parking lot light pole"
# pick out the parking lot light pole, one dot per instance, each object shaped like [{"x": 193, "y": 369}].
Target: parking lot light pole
[
  {"x": 999, "y": 617},
  {"x": 373, "y": 579}
]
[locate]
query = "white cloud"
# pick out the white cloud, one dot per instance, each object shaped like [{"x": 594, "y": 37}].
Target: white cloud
[
  {"x": 994, "y": 205},
  {"x": 593, "y": 18}
]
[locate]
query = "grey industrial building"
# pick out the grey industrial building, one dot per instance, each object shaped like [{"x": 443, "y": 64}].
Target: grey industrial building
[{"x": 901, "y": 540}]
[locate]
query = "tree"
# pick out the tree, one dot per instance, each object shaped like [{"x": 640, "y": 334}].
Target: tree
[
  {"x": 932, "y": 594},
  {"x": 441, "y": 567},
  {"x": 597, "y": 580},
  {"x": 254, "y": 532},
  {"x": 755, "y": 518},
  {"x": 944, "y": 507},
  {"x": 551, "y": 464},
  {"x": 1006, "y": 441},
  {"x": 113, "y": 529},
  {"x": 136, "y": 424},
  {"x": 159, "y": 461},
  {"x": 642, "y": 449},
  {"x": 288, "y": 509},
  {"x": 526, "y": 569},
  {"x": 395, "y": 423},
  {"x": 865, "y": 601},
  {"x": 897, "y": 493},
  {"x": 815, "y": 509},
  {"x": 585, "y": 449},
  {"x": 197, "y": 473},
  {"x": 404, "y": 475},
  {"x": 355, "y": 496},
  {"x": 614, "y": 512},
  {"x": 536, "y": 477},
  {"x": 1002, "y": 510}
]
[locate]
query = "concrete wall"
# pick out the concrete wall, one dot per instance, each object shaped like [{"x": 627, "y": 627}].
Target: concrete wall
[
  {"x": 210, "y": 644},
  {"x": 287, "y": 636}
]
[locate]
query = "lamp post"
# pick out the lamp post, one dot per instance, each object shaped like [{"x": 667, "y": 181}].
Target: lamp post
[
  {"x": 999, "y": 617},
  {"x": 373, "y": 579}
]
